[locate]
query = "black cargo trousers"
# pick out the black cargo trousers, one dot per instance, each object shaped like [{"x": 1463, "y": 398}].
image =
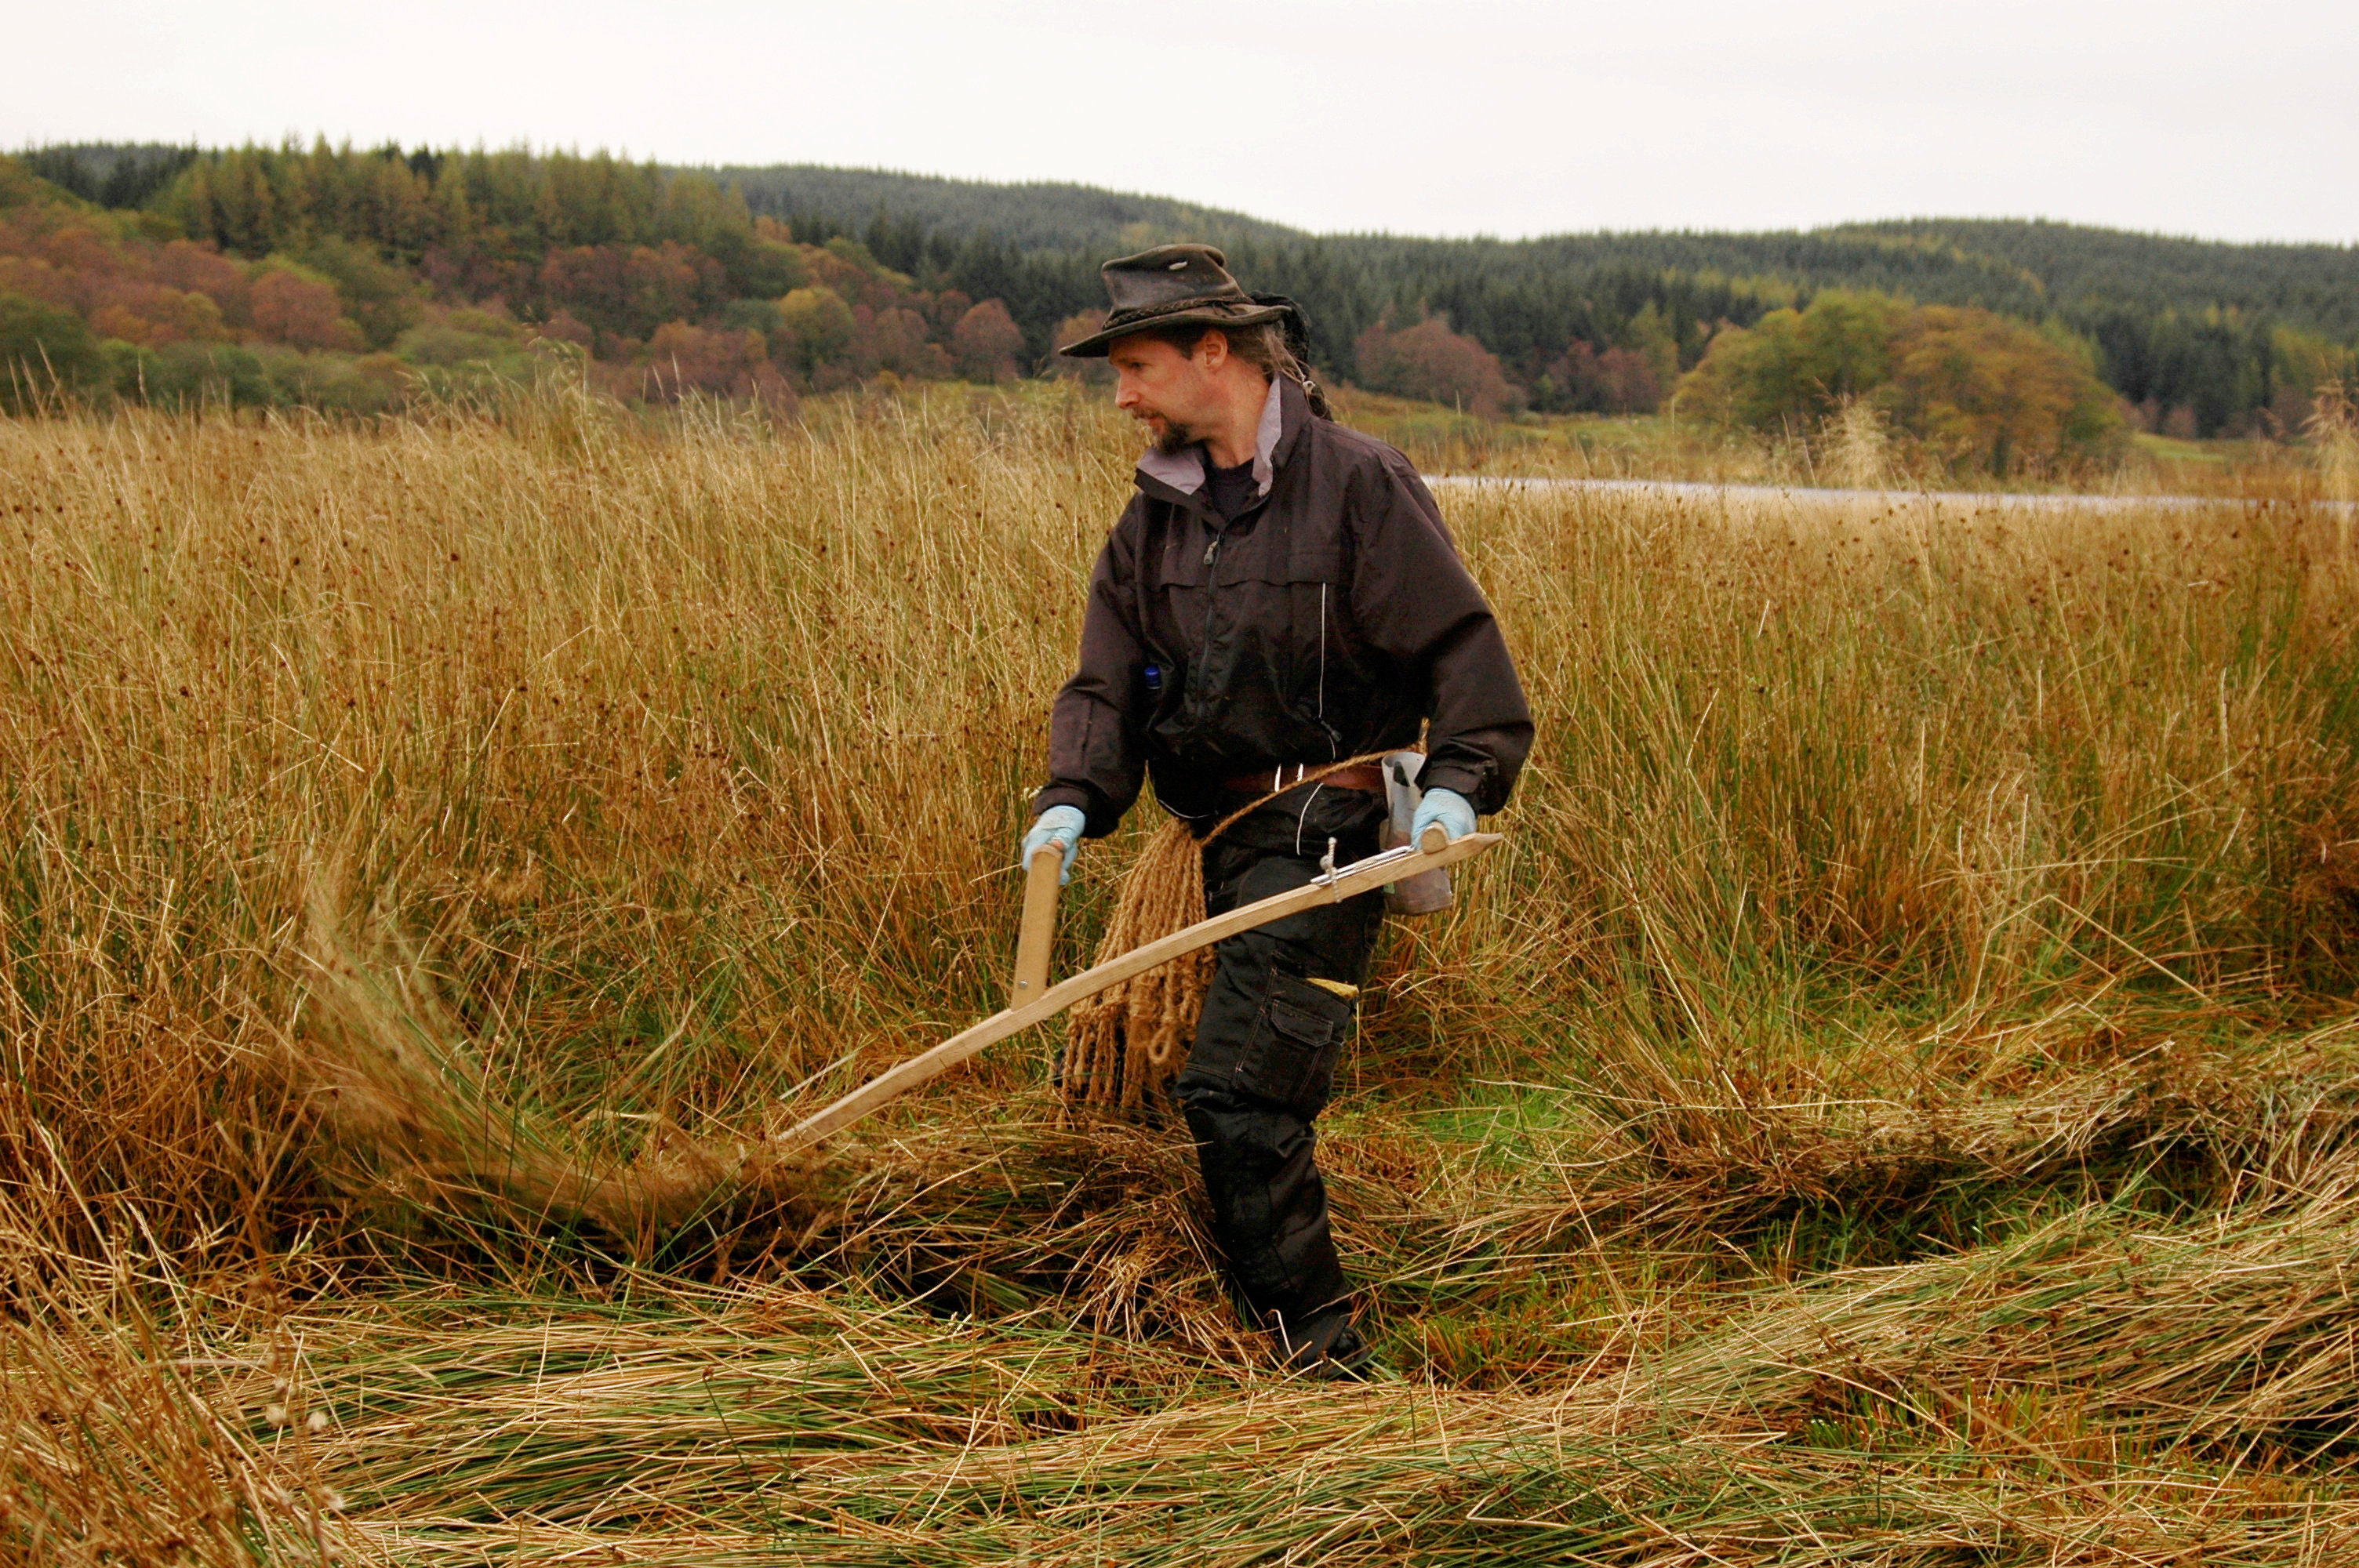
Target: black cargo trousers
[{"x": 1267, "y": 1047}]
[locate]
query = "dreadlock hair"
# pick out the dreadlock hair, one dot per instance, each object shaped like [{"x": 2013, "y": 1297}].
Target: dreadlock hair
[{"x": 1263, "y": 346}]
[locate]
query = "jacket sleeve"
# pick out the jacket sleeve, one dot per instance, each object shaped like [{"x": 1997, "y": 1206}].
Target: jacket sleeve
[
  {"x": 1415, "y": 601},
  {"x": 1095, "y": 760}
]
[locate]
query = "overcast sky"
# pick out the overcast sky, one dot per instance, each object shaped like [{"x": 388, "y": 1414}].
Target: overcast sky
[{"x": 1509, "y": 118}]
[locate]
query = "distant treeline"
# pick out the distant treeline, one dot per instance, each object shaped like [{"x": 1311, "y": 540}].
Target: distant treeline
[
  {"x": 2198, "y": 336},
  {"x": 347, "y": 279},
  {"x": 2195, "y": 337}
]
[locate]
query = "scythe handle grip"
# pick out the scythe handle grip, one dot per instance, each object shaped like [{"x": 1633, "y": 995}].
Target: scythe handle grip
[{"x": 1039, "y": 931}]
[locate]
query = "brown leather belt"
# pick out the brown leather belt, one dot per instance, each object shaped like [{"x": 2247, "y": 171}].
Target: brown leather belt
[{"x": 1286, "y": 776}]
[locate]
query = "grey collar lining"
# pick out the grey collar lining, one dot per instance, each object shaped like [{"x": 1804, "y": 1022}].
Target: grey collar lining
[{"x": 1184, "y": 471}]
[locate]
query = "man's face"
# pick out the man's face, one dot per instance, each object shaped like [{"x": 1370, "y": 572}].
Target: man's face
[{"x": 1171, "y": 392}]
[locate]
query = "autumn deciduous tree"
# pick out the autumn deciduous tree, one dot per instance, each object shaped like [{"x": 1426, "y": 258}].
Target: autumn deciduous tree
[
  {"x": 1630, "y": 375},
  {"x": 947, "y": 307},
  {"x": 45, "y": 352},
  {"x": 286, "y": 307},
  {"x": 815, "y": 326},
  {"x": 630, "y": 290},
  {"x": 382, "y": 299},
  {"x": 1431, "y": 362},
  {"x": 984, "y": 344},
  {"x": 1793, "y": 368},
  {"x": 1618, "y": 381},
  {"x": 1072, "y": 329},
  {"x": 682, "y": 359},
  {"x": 564, "y": 327},
  {"x": 768, "y": 265},
  {"x": 1990, "y": 393},
  {"x": 1978, "y": 389},
  {"x": 184, "y": 264},
  {"x": 895, "y": 340}
]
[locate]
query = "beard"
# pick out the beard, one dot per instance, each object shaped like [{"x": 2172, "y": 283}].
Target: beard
[{"x": 1173, "y": 437}]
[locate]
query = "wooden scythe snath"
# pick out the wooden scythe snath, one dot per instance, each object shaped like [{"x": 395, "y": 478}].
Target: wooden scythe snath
[{"x": 1046, "y": 1001}]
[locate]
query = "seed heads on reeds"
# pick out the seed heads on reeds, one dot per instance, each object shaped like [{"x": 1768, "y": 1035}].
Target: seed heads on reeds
[{"x": 2334, "y": 431}]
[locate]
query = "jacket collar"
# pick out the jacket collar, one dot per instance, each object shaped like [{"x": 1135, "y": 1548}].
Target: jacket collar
[{"x": 1283, "y": 413}]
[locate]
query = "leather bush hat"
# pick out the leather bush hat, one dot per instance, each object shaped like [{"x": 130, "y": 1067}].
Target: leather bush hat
[{"x": 1173, "y": 285}]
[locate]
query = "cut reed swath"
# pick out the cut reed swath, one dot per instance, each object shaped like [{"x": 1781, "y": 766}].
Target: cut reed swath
[
  {"x": 812, "y": 1412},
  {"x": 406, "y": 1084}
]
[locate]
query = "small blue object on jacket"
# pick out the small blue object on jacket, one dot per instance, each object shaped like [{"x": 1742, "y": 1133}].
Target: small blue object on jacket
[
  {"x": 1061, "y": 825},
  {"x": 1446, "y": 807}
]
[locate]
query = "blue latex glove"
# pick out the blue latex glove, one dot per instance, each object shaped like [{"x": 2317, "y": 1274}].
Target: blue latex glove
[
  {"x": 1061, "y": 825},
  {"x": 1446, "y": 807}
]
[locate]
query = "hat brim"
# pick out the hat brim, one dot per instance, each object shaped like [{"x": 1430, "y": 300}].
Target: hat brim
[{"x": 1130, "y": 324}]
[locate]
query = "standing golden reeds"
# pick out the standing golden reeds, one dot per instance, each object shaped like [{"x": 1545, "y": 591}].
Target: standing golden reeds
[
  {"x": 2333, "y": 429},
  {"x": 1899, "y": 914},
  {"x": 693, "y": 750},
  {"x": 1858, "y": 446}
]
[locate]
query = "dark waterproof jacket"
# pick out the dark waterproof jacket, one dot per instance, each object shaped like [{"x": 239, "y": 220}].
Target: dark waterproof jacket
[{"x": 1332, "y": 618}]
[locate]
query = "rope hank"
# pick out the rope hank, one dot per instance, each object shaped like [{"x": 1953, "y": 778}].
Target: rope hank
[{"x": 1126, "y": 1044}]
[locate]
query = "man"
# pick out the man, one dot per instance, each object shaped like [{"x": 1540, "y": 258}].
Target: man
[{"x": 1278, "y": 596}]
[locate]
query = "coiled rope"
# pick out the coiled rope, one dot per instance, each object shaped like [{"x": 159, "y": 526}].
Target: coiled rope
[{"x": 1124, "y": 1046}]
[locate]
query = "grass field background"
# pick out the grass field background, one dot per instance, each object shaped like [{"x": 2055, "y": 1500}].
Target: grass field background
[{"x": 1890, "y": 1100}]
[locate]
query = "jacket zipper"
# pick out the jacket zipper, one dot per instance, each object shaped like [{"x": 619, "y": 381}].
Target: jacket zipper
[{"x": 1204, "y": 657}]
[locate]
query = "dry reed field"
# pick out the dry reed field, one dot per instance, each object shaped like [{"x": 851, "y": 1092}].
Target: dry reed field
[{"x": 1893, "y": 1100}]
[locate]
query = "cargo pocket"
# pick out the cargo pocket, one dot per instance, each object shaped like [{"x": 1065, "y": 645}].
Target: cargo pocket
[{"x": 1296, "y": 1040}]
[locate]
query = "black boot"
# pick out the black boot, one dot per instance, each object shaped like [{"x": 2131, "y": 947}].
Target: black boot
[{"x": 1328, "y": 1348}]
